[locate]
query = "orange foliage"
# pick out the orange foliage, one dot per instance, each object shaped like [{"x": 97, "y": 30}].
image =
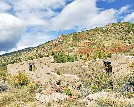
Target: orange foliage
[
  {"x": 84, "y": 50},
  {"x": 119, "y": 48}
]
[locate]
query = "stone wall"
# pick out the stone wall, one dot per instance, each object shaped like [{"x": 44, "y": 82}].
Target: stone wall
[
  {"x": 41, "y": 63},
  {"x": 69, "y": 67},
  {"x": 78, "y": 67},
  {"x": 120, "y": 64}
]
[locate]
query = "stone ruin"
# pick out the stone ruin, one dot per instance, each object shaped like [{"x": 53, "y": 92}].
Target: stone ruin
[
  {"x": 40, "y": 69},
  {"x": 31, "y": 65},
  {"x": 116, "y": 64},
  {"x": 44, "y": 70}
]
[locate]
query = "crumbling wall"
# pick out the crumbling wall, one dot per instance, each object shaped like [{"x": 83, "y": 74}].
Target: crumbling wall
[
  {"x": 37, "y": 64},
  {"x": 120, "y": 65}
]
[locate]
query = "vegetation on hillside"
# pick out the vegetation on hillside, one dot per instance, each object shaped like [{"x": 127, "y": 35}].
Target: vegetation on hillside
[
  {"x": 112, "y": 38},
  {"x": 62, "y": 58}
]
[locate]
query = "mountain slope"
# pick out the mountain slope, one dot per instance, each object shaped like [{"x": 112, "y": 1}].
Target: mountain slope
[{"x": 112, "y": 38}]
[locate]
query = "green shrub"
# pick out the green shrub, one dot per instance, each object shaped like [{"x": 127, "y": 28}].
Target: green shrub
[
  {"x": 76, "y": 38},
  {"x": 3, "y": 72},
  {"x": 67, "y": 92},
  {"x": 62, "y": 58},
  {"x": 58, "y": 72},
  {"x": 40, "y": 55},
  {"x": 3, "y": 75}
]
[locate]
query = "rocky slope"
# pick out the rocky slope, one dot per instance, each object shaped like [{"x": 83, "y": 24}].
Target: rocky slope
[{"x": 112, "y": 38}]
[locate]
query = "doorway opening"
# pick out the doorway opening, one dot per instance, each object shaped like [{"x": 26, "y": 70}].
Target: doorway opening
[{"x": 30, "y": 67}]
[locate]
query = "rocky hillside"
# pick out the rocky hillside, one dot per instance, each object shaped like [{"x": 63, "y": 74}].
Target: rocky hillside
[
  {"x": 90, "y": 44},
  {"x": 94, "y": 83}
]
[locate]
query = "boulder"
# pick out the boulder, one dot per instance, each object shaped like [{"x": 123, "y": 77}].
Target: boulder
[{"x": 3, "y": 86}]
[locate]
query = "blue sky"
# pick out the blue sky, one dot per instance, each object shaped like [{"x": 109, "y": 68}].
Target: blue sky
[{"x": 29, "y": 23}]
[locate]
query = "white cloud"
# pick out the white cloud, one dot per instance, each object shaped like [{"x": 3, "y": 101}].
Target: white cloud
[
  {"x": 10, "y": 31},
  {"x": 82, "y": 14},
  {"x": 30, "y": 40},
  {"x": 110, "y": 1},
  {"x": 123, "y": 9},
  {"x": 74, "y": 14},
  {"x": 31, "y": 4},
  {"x": 36, "y": 12},
  {"x": 101, "y": 19},
  {"x": 129, "y": 17}
]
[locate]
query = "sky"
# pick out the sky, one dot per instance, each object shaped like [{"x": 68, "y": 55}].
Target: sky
[{"x": 29, "y": 23}]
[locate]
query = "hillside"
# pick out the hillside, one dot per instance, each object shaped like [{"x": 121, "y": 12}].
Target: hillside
[
  {"x": 90, "y": 44},
  {"x": 81, "y": 81}
]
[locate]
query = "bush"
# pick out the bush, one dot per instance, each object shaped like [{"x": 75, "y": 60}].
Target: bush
[
  {"x": 67, "y": 92},
  {"x": 58, "y": 72},
  {"x": 3, "y": 75},
  {"x": 76, "y": 38},
  {"x": 20, "y": 79},
  {"x": 62, "y": 58},
  {"x": 3, "y": 72}
]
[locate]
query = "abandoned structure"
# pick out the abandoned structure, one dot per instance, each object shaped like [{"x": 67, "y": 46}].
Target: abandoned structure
[
  {"x": 115, "y": 64},
  {"x": 45, "y": 71},
  {"x": 31, "y": 65}
]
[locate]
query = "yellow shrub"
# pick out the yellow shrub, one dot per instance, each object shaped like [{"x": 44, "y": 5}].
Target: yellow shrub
[{"x": 20, "y": 79}]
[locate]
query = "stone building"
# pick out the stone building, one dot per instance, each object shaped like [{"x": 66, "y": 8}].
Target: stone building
[
  {"x": 31, "y": 65},
  {"x": 40, "y": 69}
]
